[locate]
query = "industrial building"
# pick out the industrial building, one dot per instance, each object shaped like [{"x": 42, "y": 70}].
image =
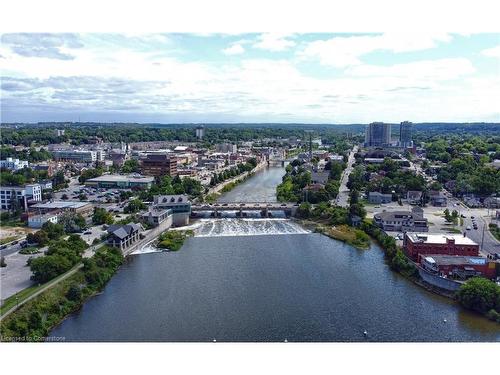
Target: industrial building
[
  {"x": 117, "y": 181},
  {"x": 156, "y": 216},
  {"x": 458, "y": 267},
  {"x": 179, "y": 204},
  {"x": 82, "y": 208},
  {"x": 416, "y": 244}
]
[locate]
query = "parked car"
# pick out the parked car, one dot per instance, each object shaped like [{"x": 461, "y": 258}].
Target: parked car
[{"x": 468, "y": 227}]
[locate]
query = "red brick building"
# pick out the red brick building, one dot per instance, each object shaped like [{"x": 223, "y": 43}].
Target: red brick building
[
  {"x": 458, "y": 267},
  {"x": 159, "y": 165},
  {"x": 416, "y": 244}
]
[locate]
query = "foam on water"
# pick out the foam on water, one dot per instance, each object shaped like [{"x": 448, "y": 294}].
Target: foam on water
[
  {"x": 147, "y": 248},
  {"x": 246, "y": 227}
]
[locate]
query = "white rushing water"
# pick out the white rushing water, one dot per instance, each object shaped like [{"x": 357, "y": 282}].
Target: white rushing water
[
  {"x": 225, "y": 227},
  {"x": 147, "y": 248},
  {"x": 246, "y": 227}
]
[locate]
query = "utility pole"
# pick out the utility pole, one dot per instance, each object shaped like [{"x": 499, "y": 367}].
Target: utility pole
[{"x": 482, "y": 238}]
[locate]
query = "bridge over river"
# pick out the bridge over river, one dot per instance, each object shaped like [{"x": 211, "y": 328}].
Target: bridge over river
[{"x": 241, "y": 208}]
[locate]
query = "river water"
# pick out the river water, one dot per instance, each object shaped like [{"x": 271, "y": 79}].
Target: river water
[{"x": 267, "y": 280}]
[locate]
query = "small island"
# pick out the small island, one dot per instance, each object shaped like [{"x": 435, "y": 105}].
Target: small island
[{"x": 174, "y": 239}]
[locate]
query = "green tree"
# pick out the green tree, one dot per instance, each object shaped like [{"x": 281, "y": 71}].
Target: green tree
[
  {"x": 101, "y": 216},
  {"x": 480, "y": 295},
  {"x": 134, "y": 205},
  {"x": 74, "y": 293},
  {"x": 131, "y": 166},
  {"x": 47, "y": 267},
  {"x": 304, "y": 210}
]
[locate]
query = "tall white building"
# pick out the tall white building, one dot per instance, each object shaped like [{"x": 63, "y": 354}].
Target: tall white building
[
  {"x": 200, "y": 132},
  {"x": 13, "y": 164}
]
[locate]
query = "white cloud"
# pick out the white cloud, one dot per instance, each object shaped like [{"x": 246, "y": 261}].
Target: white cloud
[
  {"x": 235, "y": 49},
  {"x": 440, "y": 69},
  {"x": 344, "y": 51},
  {"x": 492, "y": 52},
  {"x": 111, "y": 75},
  {"x": 274, "y": 42}
]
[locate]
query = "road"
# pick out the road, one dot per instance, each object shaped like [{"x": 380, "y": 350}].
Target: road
[
  {"x": 488, "y": 243},
  {"x": 12, "y": 249},
  {"x": 343, "y": 196}
]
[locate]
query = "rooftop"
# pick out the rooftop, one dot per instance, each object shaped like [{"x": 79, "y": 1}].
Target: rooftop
[
  {"x": 61, "y": 204},
  {"x": 439, "y": 239},
  {"x": 121, "y": 178},
  {"x": 179, "y": 198},
  {"x": 455, "y": 260}
]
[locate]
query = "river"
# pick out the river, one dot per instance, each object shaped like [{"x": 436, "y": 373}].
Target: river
[{"x": 267, "y": 280}]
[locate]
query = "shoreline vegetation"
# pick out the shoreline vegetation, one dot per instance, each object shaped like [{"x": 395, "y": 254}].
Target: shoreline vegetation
[
  {"x": 345, "y": 233},
  {"x": 212, "y": 197},
  {"x": 173, "y": 240},
  {"x": 34, "y": 320}
]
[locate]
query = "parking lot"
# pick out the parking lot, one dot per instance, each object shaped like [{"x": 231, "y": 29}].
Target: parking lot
[{"x": 474, "y": 222}]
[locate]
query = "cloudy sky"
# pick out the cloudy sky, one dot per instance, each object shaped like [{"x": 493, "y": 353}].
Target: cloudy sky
[{"x": 319, "y": 78}]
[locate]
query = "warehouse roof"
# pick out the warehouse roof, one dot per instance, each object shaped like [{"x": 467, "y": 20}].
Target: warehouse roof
[
  {"x": 60, "y": 204},
  {"x": 439, "y": 239},
  {"x": 121, "y": 178}
]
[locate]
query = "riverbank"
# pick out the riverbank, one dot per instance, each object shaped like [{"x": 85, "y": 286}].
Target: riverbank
[
  {"x": 245, "y": 175},
  {"x": 34, "y": 320},
  {"x": 352, "y": 236}
]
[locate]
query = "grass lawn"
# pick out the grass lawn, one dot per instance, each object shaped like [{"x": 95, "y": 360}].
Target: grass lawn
[{"x": 495, "y": 231}]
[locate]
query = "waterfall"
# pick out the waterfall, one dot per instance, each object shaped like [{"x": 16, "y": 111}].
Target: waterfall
[{"x": 246, "y": 227}]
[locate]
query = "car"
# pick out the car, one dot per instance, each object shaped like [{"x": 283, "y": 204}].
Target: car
[
  {"x": 87, "y": 232},
  {"x": 463, "y": 216},
  {"x": 468, "y": 227},
  {"x": 283, "y": 205},
  {"x": 472, "y": 217}
]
